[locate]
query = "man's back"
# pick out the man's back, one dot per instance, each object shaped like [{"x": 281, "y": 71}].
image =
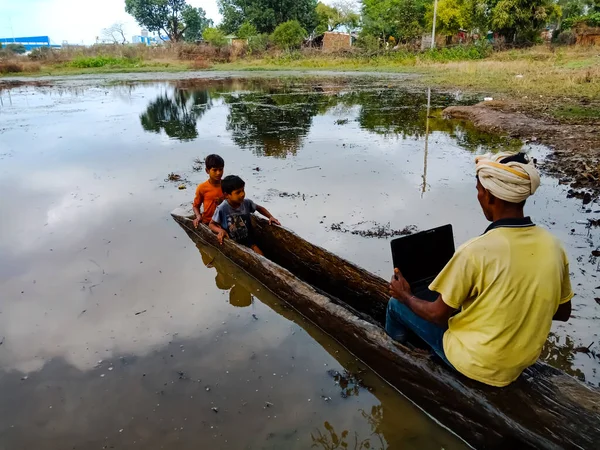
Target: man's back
[{"x": 508, "y": 284}]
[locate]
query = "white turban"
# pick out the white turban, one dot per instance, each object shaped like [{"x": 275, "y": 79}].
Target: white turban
[{"x": 513, "y": 182}]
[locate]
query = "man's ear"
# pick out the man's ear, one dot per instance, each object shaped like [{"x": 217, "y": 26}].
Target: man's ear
[{"x": 491, "y": 199}]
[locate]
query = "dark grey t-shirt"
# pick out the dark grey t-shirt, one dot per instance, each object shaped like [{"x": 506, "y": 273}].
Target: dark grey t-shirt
[{"x": 236, "y": 221}]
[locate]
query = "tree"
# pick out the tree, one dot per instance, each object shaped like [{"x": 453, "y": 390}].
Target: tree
[
  {"x": 521, "y": 20},
  {"x": 334, "y": 17},
  {"x": 402, "y": 19},
  {"x": 115, "y": 33},
  {"x": 266, "y": 15},
  {"x": 19, "y": 49},
  {"x": 196, "y": 22},
  {"x": 246, "y": 31},
  {"x": 452, "y": 15},
  {"x": 215, "y": 37},
  {"x": 289, "y": 35},
  {"x": 174, "y": 18}
]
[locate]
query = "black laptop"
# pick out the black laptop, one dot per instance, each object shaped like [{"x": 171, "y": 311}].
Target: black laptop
[{"x": 422, "y": 256}]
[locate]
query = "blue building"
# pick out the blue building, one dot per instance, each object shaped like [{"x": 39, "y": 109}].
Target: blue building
[{"x": 31, "y": 42}]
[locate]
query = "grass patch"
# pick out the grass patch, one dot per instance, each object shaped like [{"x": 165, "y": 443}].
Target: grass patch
[
  {"x": 104, "y": 61},
  {"x": 574, "y": 112}
]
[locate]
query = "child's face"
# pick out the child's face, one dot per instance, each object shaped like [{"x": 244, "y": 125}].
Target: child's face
[
  {"x": 215, "y": 174},
  {"x": 237, "y": 196}
]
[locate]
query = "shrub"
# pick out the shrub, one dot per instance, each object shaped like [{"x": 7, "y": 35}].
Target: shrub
[
  {"x": 258, "y": 43},
  {"x": 10, "y": 67},
  {"x": 289, "y": 35},
  {"x": 246, "y": 31},
  {"x": 17, "y": 67},
  {"x": 368, "y": 42},
  {"x": 40, "y": 53},
  {"x": 201, "y": 64},
  {"x": 568, "y": 37},
  {"x": 18, "y": 49},
  {"x": 215, "y": 37},
  {"x": 479, "y": 50}
]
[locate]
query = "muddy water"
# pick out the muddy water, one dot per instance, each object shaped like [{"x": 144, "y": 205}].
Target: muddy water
[{"x": 117, "y": 332}]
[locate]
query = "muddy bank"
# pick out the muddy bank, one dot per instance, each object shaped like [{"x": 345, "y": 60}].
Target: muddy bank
[{"x": 575, "y": 158}]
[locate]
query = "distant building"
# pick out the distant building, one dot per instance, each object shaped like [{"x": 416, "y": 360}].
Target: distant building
[
  {"x": 30, "y": 43},
  {"x": 333, "y": 41},
  {"x": 145, "y": 38}
]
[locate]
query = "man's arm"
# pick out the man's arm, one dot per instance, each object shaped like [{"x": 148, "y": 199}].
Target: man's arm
[
  {"x": 437, "y": 312},
  {"x": 563, "y": 313},
  {"x": 262, "y": 210}
]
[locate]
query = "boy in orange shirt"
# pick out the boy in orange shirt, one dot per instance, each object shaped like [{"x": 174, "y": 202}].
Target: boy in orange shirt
[{"x": 209, "y": 193}]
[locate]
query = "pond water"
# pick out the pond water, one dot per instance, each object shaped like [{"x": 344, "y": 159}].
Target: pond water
[{"x": 116, "y": 331}]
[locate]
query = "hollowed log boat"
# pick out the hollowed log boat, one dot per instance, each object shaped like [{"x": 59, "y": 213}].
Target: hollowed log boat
[{"x": 545, "y": 408}]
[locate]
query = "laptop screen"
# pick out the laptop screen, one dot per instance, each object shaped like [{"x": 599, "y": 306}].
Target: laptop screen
[{"x": 423, "y": 255}]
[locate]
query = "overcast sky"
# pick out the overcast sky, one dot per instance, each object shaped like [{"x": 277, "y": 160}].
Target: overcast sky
[{"x": 75, "y": 21}]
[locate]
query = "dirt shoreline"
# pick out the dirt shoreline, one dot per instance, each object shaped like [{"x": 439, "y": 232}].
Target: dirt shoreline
[{"x": 575, "y": 157}]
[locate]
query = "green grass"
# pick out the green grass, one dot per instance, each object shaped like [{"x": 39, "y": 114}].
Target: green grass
[
  {"x": 576, "y": 112},
  {"x": 104, "y": 61}
]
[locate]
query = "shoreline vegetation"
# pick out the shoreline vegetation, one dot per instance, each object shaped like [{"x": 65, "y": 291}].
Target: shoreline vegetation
[{"x": 561, "y": 81}]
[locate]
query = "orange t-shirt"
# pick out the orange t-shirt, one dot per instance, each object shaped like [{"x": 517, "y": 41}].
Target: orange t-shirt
[{"x": 210, "y": 196}]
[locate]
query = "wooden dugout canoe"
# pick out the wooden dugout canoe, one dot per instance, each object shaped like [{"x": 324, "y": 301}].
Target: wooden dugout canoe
[{"x": 544, "y": 408}]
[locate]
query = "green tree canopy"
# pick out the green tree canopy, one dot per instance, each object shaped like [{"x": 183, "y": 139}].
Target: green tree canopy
[
  {"x": 19, "y": 49},
  {"x": 331, "y": 18},
  {"x": 289, "y": 35},
  {"x": 174, "y": 18},
  {"x": 452, "y": 15},
  {"x": 403, "y": 19},
  {"x": 215, "y": 37},
  {"x": 266, "y": 15},
  {"x": 246, "y": 31},
  {"x": 521, "y": 20}
]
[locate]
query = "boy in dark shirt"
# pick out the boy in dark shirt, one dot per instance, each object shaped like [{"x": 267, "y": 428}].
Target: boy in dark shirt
[{"x": 232, "y": 217}]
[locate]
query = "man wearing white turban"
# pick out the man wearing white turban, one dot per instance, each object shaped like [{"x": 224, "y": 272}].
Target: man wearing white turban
[{"x": 500, "y": 292}]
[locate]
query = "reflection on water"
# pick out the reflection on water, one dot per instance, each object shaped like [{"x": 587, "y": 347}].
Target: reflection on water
[
  {"x": 561, "y": 355},
  {"x": 94, "y": 269},
  {"x": 238, "y": 295},
  {"x": 176, "y": 113},
  {"x": 272, "y": 119}
]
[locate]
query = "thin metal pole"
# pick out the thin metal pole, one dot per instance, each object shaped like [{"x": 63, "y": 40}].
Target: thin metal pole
[
  {"x": 424, "y": 187},
  {"x": 434, "y": 20}
]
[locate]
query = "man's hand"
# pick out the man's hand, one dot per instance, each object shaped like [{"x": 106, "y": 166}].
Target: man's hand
[
  {"x": 222, "y": 234},
  {"x": 196, "y": 222},
  {"x": 399, "y": 287},
  {"x": 273, "y": 220}
]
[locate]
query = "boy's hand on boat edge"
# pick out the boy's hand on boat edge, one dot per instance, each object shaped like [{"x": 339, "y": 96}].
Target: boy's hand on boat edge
[
  {"x": 221, "y": 235},
  {"x": 399, "y": 287},
  {"x": 273, "y": 220},
  {"x": 196, "y": 222}
]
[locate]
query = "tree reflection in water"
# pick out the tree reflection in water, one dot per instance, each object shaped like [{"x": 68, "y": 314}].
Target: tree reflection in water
[
  {"x": 177, "y": 113},
  {"x": 561, "y": 356},
  {"x": 330, "y": 440},
  {"x": 272, "y": 117},
  {"x": 273, "y": 125}
]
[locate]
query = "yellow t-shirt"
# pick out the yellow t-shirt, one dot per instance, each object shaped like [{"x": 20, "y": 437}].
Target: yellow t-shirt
[{"x": 508, "y": 284}]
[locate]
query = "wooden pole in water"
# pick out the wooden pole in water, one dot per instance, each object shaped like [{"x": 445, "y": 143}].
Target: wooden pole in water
[
  {"x": 426, "y": 143},
  {"x": 433, "y": 27}
]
